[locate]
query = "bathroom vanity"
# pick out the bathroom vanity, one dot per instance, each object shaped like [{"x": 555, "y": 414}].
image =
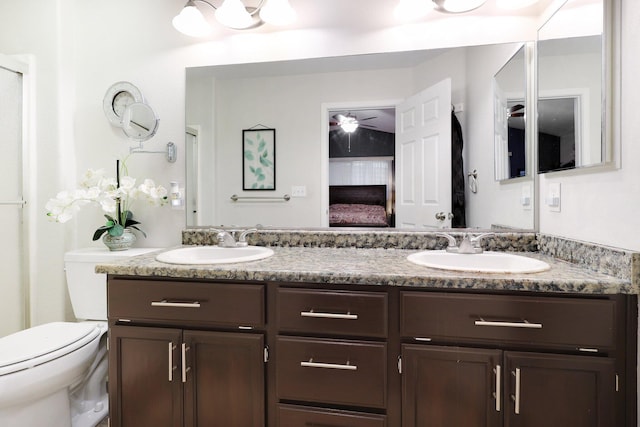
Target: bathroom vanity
[{"x": 363, "y": 338}]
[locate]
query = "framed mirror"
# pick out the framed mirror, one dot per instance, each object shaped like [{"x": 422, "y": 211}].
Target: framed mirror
[
  {"x": 571, "y": 98},
  {"x": 509, "y": 118}
]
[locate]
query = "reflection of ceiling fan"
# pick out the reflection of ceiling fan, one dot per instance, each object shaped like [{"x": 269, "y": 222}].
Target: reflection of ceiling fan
[{"x": 349, "y": 122}]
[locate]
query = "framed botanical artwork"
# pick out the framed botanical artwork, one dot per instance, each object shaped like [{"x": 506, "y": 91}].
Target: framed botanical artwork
[{"x": 259, "y": 159}]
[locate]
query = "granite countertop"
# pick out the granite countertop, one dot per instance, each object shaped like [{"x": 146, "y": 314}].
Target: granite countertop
[{"x": 376, "y": 267}]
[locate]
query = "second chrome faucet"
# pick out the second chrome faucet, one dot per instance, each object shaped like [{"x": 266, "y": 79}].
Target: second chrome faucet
[{"x": 468, "y": 245}]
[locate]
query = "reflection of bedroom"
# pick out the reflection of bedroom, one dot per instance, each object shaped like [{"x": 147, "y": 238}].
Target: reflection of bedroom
[{"x": 361, "y": 167}]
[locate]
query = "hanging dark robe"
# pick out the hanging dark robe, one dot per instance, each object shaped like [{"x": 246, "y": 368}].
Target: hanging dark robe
[{"x": 457, "y": 175}]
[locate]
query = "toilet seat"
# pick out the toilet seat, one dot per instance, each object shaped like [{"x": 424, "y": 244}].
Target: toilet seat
[{"x": 41, "y": 344}]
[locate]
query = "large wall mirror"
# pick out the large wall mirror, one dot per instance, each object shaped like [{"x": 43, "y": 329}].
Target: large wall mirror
[
  {"x": 571, "y": 95},
  {"x": 297, "y": 97}
]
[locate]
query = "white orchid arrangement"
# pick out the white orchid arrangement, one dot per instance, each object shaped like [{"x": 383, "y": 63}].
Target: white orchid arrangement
[{"x": 114, "y": 195}]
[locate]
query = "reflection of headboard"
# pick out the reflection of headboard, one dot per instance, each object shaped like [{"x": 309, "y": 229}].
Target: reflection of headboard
[{"x": 358, "y": 194}]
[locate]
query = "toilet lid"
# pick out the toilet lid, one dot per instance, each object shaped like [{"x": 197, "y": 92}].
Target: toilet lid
[{"x": 40, "y": 344}]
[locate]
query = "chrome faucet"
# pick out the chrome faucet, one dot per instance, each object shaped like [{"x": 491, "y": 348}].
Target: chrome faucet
[
  {"x": 468, "y": 245},
  {"x": 226, "y": 238}
]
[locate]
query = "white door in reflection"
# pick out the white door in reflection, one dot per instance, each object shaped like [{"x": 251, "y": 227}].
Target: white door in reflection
[{"x": 423, "y": 158}]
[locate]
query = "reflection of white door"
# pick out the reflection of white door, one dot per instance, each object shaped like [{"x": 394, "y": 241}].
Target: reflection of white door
[{"x": 423, "y": 158}]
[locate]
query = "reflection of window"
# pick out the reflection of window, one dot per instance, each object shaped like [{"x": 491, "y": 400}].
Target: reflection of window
[
  {"x": 378, "y": 171},
  {"x": 558, "y": 133}
]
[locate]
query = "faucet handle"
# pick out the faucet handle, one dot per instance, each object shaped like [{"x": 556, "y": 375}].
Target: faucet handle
[{"x": 452, "y": 240}]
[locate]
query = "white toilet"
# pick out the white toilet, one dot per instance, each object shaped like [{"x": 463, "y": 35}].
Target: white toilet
[{"x": 54, "y": 375}]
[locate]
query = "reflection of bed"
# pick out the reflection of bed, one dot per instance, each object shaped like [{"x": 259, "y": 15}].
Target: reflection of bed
[{"x": 358, "y": 206}]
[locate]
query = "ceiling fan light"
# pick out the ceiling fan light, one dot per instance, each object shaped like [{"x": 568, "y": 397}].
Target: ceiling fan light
[
  {"x": 458, "y": 6},
  {"x": 278, "y": 12},
  {"x": 191, "y": 22},
  {"x": 408, "y": 10},
  {"x": 349, "y": 124},
  {"x": 233, "y": 14}
]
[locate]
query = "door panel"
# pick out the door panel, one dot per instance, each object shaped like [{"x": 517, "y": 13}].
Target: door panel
[
  {"x": 423, "y": 157},
  {"x": 225, "y": 379},
  {"x": 451, "y": 386},
  {"x": 143, "y": 358},
  {"x": 560, "y": 390}
]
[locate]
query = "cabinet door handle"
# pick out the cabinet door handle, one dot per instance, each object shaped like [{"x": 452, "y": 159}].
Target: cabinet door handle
[
  {"x": 185, "y": 369},
  {"x": 345, "y": 367},
  {"x": 523, "y": 324},
  {"x": 171, "y": 366},
  {"x": 498, "y": 372},
  {"x": 516, "y": 398},
  {"x": 165, "y": 303},
  {"x": 312, "y": 313}
]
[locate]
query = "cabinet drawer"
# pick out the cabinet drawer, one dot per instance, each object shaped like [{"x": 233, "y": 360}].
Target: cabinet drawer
[
  {"x": 183, "y": 302},
  {"x": 331, "y": 371},
  {"x": 332, "y": 312},
  {"x": 551, "y": 321},
  {"x": 301, "y": 416}
]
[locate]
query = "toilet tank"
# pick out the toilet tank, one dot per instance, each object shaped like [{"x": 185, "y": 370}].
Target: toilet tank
[{"x": 88, "y": 289}]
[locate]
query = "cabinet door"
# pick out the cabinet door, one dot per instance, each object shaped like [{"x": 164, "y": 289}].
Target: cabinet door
[
  {"x": 559, "y": 390},
  {"x": 144, "y": 390},
  {"x": 224, "y": 379},
  {"x": 451, "y": 386}
]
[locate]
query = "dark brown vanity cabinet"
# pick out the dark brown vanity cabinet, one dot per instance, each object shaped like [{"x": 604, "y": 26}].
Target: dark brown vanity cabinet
[
  {"x": 204, "y": 353},
  {"x": 186, "y": 354},
  {"x": 526, "y": 361}
]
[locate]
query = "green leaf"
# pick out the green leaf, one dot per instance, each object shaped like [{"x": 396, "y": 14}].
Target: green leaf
[
  {"x": 100, "y": 231},
  {"x": 136, "y": 228},
  {"x": 262, "y": 145},
  {"x": 248, "y": 155},
  {"x": 248, "y": 141},
  {"x": 255, "y": 185},
  {"x": 260, "y": 177}
]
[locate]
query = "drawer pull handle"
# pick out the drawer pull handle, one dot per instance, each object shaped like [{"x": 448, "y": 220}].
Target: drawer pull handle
[
  {"x": 523, "y": 324},
  {"x": 311, "y": 313},
  {"x": 345, "y": 367},
  {"x": 165, "y": 303}
]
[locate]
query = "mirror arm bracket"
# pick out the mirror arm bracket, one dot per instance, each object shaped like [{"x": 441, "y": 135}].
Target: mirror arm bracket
[{"x": 171, "y": 152}]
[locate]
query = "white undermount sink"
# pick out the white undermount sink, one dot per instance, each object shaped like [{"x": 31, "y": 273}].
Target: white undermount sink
[
  {"x": 214, "y": 255},
  {"x": 486, "y": 262}
]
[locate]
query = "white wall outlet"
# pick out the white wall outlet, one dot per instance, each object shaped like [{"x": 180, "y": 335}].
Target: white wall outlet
[
  {"x": 299, "y": 191},
  {"x": 553, "y": 197}
]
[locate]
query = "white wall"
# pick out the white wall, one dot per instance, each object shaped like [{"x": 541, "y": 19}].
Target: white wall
[{"x": 81, "y": 47}]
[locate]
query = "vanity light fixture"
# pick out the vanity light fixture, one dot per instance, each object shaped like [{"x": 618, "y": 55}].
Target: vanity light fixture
[
  {"x": 233, "y": 14},
  {"x": 457, "y": 6}
]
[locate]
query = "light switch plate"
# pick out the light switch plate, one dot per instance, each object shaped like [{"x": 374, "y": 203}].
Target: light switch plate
[
  {"x": 299, "y": 191},
  {"x": 553, "y": 196}
]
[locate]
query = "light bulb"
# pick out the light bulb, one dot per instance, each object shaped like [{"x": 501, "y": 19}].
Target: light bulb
[
  {"x": 278, "y": 12},
  {"x": 191, "y": 22},
  {"x": 233, "y": 14}
]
